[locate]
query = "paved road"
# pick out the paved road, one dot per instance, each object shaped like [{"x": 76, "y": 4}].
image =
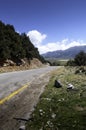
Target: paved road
[
  {"x": 16, "y": 101},
  {"x": 9, "y": 82}
]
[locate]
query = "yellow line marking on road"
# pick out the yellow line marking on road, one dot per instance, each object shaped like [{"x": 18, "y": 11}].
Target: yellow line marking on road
[
  {"x": 13, "y": 94},
  {"x": 2, "y": 101}
]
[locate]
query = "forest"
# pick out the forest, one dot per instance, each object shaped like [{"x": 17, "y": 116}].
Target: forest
[{"x": 15, "y": 46}]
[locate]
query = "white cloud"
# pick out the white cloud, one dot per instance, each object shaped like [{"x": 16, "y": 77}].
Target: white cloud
[
  {"x": 37, "y": 39},
  {"x": 65, "y": 41}
]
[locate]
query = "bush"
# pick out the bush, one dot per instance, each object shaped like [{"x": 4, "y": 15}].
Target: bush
[
  {"x": 81, "y": 70},
  {"x": 70, "y": 63},
  {"x": 79, "y": 60}
]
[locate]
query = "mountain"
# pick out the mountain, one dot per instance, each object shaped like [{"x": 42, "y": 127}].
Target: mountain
[
  {"x": 65, "y": 54},
  {"x": 15, "y": 46}
]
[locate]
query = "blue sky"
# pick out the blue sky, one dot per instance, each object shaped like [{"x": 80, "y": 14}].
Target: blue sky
[{"x": 50, "y": 24}]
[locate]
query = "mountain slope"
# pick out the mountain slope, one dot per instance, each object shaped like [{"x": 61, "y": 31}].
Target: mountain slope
[
  {"x": 65, "y": 54},
  {"x": 15, "y": 46}
]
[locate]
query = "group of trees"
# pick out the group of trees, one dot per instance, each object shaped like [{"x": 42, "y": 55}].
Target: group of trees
[
  {"x": 79, "y": 60},
  {"x": 14, "y": 46}
]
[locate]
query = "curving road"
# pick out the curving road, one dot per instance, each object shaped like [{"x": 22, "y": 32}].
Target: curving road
[
  {"x": 19, "y": 93},
  {"x": 9, "y": 82}
]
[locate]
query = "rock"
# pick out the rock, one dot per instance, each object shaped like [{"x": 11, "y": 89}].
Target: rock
[
  {"x": 57, "y": 84},
  {"x": 70, "y": 86},
  {"x": 22, "y": 127},
  {"x": 9, "y": 63}
]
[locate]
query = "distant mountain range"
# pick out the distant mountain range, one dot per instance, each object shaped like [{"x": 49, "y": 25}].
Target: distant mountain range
[{"x": 65, "y": 54}]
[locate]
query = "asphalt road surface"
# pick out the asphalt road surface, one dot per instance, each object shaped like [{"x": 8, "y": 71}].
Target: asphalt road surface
[{"x": 19, "y": 93}]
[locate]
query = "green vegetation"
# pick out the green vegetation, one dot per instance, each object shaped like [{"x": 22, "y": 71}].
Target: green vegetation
[
  {"x": 59, "y": 63},
  {"x": 56, "y": 61},
  {"x": 59, "y": 109},
  {"x": 14, "y": 46},
  {"x": 79, "y": 60}
]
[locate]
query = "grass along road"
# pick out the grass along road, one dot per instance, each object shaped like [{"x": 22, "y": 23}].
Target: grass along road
[{"x": 59, "y": 109}]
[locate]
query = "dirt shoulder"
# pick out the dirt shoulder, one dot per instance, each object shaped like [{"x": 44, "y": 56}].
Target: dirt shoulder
[
  {"x": 35, "y": 63},
  {"x": 22, "y": 105}
]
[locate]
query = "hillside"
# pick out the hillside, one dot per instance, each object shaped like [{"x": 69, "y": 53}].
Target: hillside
[
  {"x": 15, "y": 47},
  {"x": 65, "y": 54}
]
